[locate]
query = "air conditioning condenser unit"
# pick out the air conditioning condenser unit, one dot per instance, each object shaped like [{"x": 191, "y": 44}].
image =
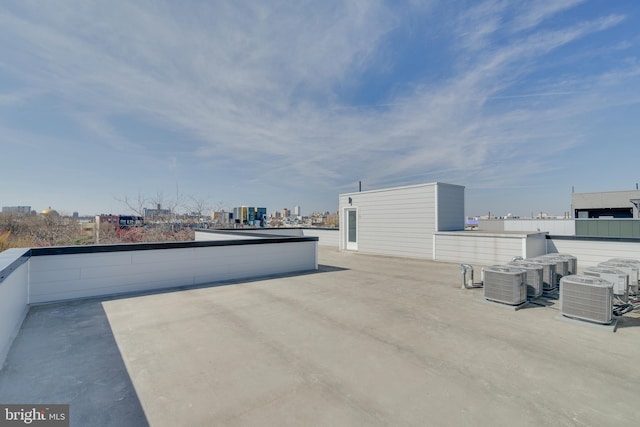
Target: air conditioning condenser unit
[
  {"x": 505, "y": 284},
  {"x": 586, "y": 298}
]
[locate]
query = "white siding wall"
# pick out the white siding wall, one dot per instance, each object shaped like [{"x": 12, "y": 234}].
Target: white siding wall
[
  {"x": 325, "y": 237},
  {"x": 450, "y": 207},
  {"x": 486, "y": 248},
  {"x": 535, "y": 245},
  {"x": 60, "y": 277},
  {"x": 13, "y": 302},
  {"x": 592, "y": 252},
  {"x": 398, "y": 221}
]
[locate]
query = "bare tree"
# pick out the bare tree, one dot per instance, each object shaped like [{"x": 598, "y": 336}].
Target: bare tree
[
  {"x": 135, "y": 204},
  {"x": 42, "y": 230},
  {"x": 198, "y": 206}
]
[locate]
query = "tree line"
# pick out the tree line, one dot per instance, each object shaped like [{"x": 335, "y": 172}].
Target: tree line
[{"x": 19, "y": 231}]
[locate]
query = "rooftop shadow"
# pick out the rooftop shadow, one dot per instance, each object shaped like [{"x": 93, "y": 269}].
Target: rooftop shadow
[
  {"x": 66, "y": 353},
  {"x": 329, "y": 268}
]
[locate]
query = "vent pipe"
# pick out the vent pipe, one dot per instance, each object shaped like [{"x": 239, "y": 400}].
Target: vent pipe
[{"x": 463, "y": 269}]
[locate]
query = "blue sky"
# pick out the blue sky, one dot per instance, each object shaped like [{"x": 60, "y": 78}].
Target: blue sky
[{"x": 285, "y": 103}]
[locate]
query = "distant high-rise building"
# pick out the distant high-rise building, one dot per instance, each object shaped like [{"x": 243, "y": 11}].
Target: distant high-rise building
[
  {"x": 250, "y": 215},
  {"x": 296, "y": 210},
  {"x": 286, "y": 213},
  {"x": 18, "y": 210}
]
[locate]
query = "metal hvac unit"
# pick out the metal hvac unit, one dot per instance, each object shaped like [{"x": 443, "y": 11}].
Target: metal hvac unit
[
  {"x": 562, "y": 265},
  {"x": 505, "y": 284},
  {"x": 630, "y": 269},
  {"x": 634, "y": 262},
  {"x": 548, "y": 273},
  {"x": 586, "y": 298},
  {"x": 535, "y": 277},
  {"x": 572, "y": 262},
  {"x": 619, "y": 278},
  {"x": 625, "y": 260}
]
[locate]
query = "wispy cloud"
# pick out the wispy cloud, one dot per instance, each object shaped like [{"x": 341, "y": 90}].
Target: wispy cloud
[
  {"x": 532, "y": 14},
  {"x": 258, "y": 85}
]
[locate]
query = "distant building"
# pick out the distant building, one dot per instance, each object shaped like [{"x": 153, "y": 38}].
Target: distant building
[
  {"x": 17, "y": 210},
  {"x": 296, "y": 210},
  {"x": 250, "y": 215},
  {"x": 107, "y": 219},
  {"x": 285, "y": 213},
  {"x": 123, "y": 222},
  {"x": 610, "y": 204},
  {"x": 222, "y": 217},
  {"x": 156, "y": 213}
]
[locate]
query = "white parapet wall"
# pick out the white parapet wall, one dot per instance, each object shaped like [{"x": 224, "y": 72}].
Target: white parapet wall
[
  {"x": 55, "y": 277},
  {"x": 555, "y": 227},
  {"x": 591, "y": 251},
  {"x": 326, "y": 236},
  {"x": 14, "y": 289},
  {"x": 486, "y": 248},
  {"x": 247, "y": 233}
]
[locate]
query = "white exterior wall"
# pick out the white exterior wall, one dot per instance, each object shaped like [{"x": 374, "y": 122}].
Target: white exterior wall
[
  {"x": 591, "y": 252},
  {"x": 401, "y": 221},
  {"x": 325, "y": 237},
  {"x": 535, "y": 245},
  {"x": 487, "y": 248},
  {"x": 14, "y": 290},
  {"x": 69, "y": 276}
]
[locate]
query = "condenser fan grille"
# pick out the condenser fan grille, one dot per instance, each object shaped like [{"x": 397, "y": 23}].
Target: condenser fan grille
[
  {"x": 505, "y": 284},
  {"x": 586, "y": 298},
  {"x": 534, "y": 278},
  {"x": 548, "y": 273}
]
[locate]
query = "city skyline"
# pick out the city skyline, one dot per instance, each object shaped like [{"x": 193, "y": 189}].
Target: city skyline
[{"x": 278, "y": 105}]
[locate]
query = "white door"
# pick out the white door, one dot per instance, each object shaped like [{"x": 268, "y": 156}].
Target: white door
[{"x": 352, "y": 229}]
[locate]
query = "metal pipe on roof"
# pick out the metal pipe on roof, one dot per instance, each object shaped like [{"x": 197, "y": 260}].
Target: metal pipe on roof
[{"x": 464, "y": 268}]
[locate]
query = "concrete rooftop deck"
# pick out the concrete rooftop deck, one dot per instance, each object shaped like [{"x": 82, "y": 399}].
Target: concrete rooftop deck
[{"x": 367, "y": 340}]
